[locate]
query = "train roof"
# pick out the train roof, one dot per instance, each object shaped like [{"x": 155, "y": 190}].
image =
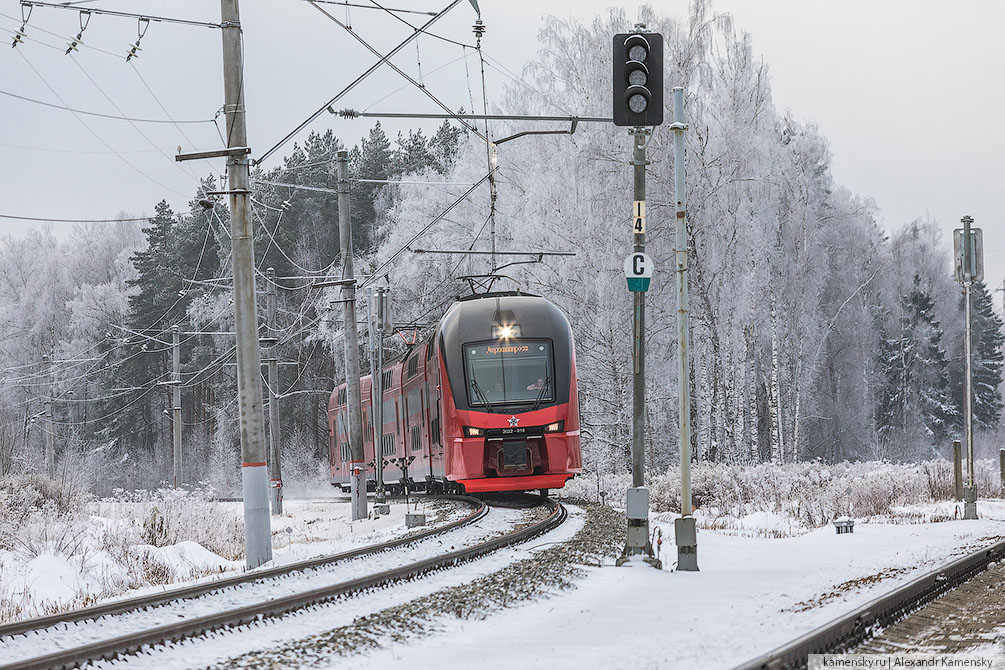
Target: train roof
[
  {"x": 496, "y": 294},
  {"x": 473, "y": 319}
]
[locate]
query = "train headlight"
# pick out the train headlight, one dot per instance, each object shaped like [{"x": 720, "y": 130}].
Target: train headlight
[
  {"x": 556, "y": 427},
  {"x": 472, "y": 431},
  {"x": 506, "y": 331}
]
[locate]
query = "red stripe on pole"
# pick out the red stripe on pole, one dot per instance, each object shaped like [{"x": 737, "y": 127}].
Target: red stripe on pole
[{"x": 254, "y": 465}]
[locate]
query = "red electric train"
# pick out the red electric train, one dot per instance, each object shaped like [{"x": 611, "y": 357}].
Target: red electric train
[{"x": 488, "y": 403}]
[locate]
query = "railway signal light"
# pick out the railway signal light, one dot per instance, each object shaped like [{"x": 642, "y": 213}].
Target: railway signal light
[{"x": 638, "y": 79}]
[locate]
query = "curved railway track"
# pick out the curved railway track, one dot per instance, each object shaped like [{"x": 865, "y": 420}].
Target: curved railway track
[
  {"x": 264, "y": 608},
  {"x": 858, "y": 626}
]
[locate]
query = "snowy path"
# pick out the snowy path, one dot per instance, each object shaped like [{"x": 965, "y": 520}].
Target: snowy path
[
  {"x": 739, "y": 605},
  {"x": 498, "y": 521}
]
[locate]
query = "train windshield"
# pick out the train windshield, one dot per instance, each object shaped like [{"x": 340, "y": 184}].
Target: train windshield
[{"x": 509, "y": 371}]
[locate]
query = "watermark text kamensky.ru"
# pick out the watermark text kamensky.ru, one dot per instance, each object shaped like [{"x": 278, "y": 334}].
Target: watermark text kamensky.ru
[{"x": 979, "y": 661}]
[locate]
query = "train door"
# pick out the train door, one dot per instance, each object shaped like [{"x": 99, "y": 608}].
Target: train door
[
  {"x": 387, "y": 439},
  {"x": 436, "y": 421},
  {"x": 414, "y": 414}
]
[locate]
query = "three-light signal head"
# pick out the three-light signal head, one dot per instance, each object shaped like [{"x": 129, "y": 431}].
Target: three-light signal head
[{"x": 638, "y": 79}]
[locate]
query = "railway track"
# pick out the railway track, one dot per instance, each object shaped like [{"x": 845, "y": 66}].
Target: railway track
[
  {"x": 857, "y": 627},
  {"x": 264, "y": 606}
]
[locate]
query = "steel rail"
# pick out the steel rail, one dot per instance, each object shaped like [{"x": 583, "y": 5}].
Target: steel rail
[
  {"x": 113, "y": 648},
  {"x": 480, "y": 509},
  {"x": 853, "y": 629},
  {"x": 135, "y": 642}
]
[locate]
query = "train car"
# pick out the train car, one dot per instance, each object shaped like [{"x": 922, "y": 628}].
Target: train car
[{"x": 488, "y": 403}]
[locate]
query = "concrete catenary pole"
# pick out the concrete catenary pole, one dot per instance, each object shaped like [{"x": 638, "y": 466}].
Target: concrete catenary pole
[
  {"x": 958, "y": 469},
  {"x": 357, "y": 482},
  {"x": 254, "y": 473},
  {"x": 176, "y": 403},
  {"x": 970, "y": 490},
  {"x": 50, "y": 451},
  {"x": 275, "y": 467},
  {"x": 686, "y": 535},
  {"x": 1001, "y": 468}
]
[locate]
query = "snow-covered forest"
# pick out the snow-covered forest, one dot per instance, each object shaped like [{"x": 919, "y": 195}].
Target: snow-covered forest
[{"x": 816, "y": 334}]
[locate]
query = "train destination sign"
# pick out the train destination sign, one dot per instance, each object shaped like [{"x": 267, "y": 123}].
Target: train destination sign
[{"x": 638, "y": 271}]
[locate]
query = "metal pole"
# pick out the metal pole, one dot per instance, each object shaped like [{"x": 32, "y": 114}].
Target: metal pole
[
  {"x": 637, "y": 503},
  {"x": 50, "y": 451},
  {"x": 686, "y": 535},
  {"x": 378, "y": 390},
  {"x": 176, "y": 402},
  {"x": 254, "y": 473},
  {"x": 357, "y": 482},
  {"x": 970, "y": 490},
  {"x": 641, "y": 136},
  {"x": 275, "y": 467}
]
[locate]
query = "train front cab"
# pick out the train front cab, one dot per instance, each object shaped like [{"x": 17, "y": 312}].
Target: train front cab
[{"x": 511, "y": 400}]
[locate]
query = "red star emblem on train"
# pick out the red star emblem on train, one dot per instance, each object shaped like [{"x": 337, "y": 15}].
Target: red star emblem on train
[{"x": 514, "y": 420}]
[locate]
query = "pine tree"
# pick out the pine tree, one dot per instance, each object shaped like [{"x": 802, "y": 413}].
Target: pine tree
[
  {"x": 372, "y": 160},
  {"x": 916, "y": 401},
  {"x": 443, "y": 146},
  {"x": 986, "y": 344},
  {"x": 156, "y": 302},
  {"x": 412, "y": 154}
]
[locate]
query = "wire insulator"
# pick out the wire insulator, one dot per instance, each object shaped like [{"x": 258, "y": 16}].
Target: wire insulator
[{"x": 348, "y": 113}]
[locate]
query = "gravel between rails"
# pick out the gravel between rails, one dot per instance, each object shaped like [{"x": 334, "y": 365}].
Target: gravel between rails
[
  {"x": 969, "y": 617},
  {"x": 550, "y": 570}
]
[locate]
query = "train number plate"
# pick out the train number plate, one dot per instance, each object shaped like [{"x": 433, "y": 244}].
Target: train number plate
[{"x": 514, "y": 454}]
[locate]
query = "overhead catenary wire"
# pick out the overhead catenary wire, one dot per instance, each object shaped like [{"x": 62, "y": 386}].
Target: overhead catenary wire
[
  {"x": 186, "y": 171},
  {"x": 80, "y": 151},
  {"x": 161, "y": 105},
  {"x": 401, "y": 88},
  {"x": 413, "y": 27},
  {"x": 322, "y": 189},
  {"x": 45, "y": 219},
  {"x": 90, "y": 130},
  {"x": 384, "y": 59},
  {"x": 110, "y": 12},
  {"x": 63, "y": 37},
  {"x": 376, "y": 273},
  {"x": 85, "y": 112},
  {"x": 401, "y": 72},
  {"x": 341, "y": 3}
]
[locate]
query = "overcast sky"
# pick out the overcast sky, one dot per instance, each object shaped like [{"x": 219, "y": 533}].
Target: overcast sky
[{"x": 909, "y": 94}]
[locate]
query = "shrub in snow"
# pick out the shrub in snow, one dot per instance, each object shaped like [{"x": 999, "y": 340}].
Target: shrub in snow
[
  {"x": 169, "y": 516},
  {"x": 808, "y": 495},
  {"x": 304, "y": 474},
  {"x": 31, "y": 505}
]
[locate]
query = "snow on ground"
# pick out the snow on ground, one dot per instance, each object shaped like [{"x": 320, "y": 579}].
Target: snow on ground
[
  {"x": 319, "y": 619},
  {"x": 57, "y": 579},
  {"x": 498, "y": 521},
  {"x": 744, "y": 601}
]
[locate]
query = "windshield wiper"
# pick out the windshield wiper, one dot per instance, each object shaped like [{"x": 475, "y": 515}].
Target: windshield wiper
[
  {"x": 478, "y": 390},
  {"x": 540, "y": 394}
]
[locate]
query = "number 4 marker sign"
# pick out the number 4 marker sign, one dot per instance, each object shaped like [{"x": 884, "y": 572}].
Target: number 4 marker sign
[{"x": 639, "y": 217}]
